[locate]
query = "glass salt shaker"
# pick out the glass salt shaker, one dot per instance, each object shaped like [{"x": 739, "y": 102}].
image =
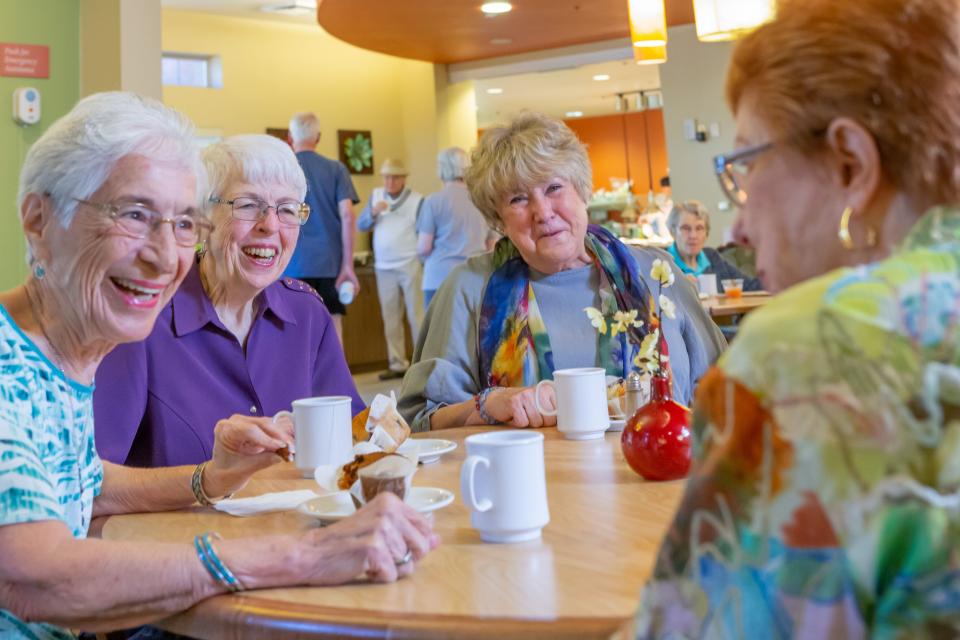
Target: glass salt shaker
[{"x": 633, "y": 396}]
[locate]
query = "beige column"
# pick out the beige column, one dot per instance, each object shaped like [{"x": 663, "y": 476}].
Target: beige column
[
  {"x": 456, "y": 111},
  {"x": 120, "y": 46}
]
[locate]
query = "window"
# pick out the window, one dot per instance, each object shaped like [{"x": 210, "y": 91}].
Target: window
[{"x": 192, "y": 70}]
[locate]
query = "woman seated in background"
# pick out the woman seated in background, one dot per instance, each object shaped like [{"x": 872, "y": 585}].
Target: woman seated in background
[
  {"x": 97, "y": 192},
  {"x": 824, "y": 498},
  {"x": 449, "y": 228},
  {"x": 689, "y": 224},
  {"x": 235, "y": 338},
  {"x": 504, "y": 321}
]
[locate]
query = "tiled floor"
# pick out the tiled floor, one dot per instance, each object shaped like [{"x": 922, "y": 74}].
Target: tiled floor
[{"x": 369, "y": 385}]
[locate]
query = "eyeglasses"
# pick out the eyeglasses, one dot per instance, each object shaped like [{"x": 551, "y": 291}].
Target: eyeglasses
[
  {"x": 290, "y": 214},
  {"x": 731, "y": 169},
  {"x": 137, "y": 220}
]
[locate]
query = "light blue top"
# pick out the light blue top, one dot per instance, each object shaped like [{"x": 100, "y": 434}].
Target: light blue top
[
  {"x": 49, "y": 468},
  {"x": 458, "y": 228}
]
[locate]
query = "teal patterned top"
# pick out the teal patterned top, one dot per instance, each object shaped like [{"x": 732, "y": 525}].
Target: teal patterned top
[
  {"x": 824, "y": 498},
  {"x": 49, "y": 468}
]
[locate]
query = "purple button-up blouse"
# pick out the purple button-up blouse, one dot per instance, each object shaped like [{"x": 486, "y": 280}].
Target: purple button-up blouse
[{"x": 156, "y": 402}]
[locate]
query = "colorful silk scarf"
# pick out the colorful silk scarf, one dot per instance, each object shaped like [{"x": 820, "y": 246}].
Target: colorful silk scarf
[{"x": 514, "y": 346}]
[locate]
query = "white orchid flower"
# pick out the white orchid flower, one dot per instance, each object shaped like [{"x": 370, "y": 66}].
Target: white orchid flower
[
  {"x": 662, "y": 273},
  {"x": 667, "y": 307},
  {"x": 596, "y": 319}
]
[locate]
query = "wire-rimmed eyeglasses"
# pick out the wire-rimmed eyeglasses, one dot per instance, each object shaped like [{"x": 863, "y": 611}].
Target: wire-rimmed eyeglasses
[
  {"x": 290, "y": 214},
  {"x": 137, "y": 220},
  {"x": 731, "y": 168}
]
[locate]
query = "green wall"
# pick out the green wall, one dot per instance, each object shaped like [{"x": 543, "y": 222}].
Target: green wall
[{"x": 55, "y": 23}]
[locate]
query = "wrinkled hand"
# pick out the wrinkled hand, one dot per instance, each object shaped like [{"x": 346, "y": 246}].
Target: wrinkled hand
[
  {"x": 379, "y": 207},
  {"x": 243, "y": 445},
  {"x": 347, "y": 273},
  {"x": 369, "y": 543},
  {"x": 516, "y": 406}
]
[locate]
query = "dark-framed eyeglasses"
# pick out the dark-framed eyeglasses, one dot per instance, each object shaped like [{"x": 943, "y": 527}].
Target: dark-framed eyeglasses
[
  {"x": 137, "y": 220},
  {"x": 731, "y": 170},
  {"x": 290, "y": 214}
]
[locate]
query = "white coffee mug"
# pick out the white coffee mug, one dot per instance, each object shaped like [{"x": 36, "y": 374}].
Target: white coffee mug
[
  {"x": 707, "y": 283},
  {"x": 581, "y": 402},
  {"x": 322, "y": 432},
  {"x": 504, "y": 484}
]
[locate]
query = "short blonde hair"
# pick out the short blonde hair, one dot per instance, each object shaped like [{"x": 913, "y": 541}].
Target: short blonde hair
[
  {"x": 530, "y": 149},
  {"x": 891, "y": 65}
]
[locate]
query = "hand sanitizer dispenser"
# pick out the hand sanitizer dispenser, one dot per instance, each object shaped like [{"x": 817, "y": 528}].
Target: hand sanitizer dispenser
[{"x": 26, "y": 106}]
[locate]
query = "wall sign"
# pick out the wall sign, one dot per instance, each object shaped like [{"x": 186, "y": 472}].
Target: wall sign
[{"x": 24, "y": 60}]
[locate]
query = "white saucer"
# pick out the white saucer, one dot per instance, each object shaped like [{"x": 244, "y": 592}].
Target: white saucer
[
  {"x": 337, "y": 506},
  {"x": 617, "y": 424},
  {"x": 427, "y": 449}
]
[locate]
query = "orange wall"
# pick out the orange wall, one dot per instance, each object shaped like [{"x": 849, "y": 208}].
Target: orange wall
[{"x": 617, "y": 149}]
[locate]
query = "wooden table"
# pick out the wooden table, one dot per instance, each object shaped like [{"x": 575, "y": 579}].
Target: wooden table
[
  {"x": 719, "y": 306},
  {"x": 581, "y": 580}
]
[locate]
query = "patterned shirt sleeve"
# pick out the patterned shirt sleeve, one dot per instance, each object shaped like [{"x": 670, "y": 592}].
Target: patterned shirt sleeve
[{"x": 26, "y": 490}]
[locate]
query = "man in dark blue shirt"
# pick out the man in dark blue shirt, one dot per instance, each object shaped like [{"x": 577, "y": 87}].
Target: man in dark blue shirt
[{"x": 324, "y": 254}]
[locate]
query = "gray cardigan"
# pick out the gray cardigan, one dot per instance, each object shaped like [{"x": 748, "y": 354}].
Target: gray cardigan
[{"x": 446, "y": 362}]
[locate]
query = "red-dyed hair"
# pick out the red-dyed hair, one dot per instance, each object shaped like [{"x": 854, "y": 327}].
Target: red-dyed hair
[{"x": 891, "y": 65}]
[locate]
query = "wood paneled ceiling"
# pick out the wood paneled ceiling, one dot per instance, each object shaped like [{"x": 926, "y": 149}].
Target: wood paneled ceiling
[{"x": 450, "y": 31}]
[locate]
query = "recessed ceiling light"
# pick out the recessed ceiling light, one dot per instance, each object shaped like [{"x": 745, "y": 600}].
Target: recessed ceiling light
[
  {"x": 496, "y": 8},
  {"x": 494, "y": 91},
  {"x": 291, "y": 7},
  {"x": 501, "y": 41},
  {"x": 574, "y": 114},
  {"x": 600, "y": 77}
]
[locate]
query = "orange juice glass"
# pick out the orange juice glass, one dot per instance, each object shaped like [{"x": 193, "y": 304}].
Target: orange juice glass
[{"x": 733, "y": 288}]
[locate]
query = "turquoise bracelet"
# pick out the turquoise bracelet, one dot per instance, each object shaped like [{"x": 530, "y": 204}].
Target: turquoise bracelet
[{"x": 212, "y": 563}]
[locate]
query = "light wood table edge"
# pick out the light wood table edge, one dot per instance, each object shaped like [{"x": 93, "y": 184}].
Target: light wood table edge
[{"x": 254, "y": 618}]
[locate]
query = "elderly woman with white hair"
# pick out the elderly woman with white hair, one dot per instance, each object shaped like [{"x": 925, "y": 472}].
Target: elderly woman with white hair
[
  {"x": 450, "y": 228},
  {"x": 503, "y": 321},
  {"x": 689, "y": 224},
  {"x": 109, "y": 209},
  {"x": 236, "y": 338}
]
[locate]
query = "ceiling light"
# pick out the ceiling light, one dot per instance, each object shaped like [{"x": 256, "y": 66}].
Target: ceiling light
[
  {"x": 494, "y": 91},
  {"x": 650, "y": 55},
  {"x": 574, "y": 114},
  {"x": 601, "y": 77},
  {"x": 496, "y": 8},
  {"x": 648, "y": 23},
  {"x": 291, "y": 7},
  {"x": 728, "y": 19}
]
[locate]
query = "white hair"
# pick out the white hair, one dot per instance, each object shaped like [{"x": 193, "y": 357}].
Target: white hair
[
  {"x": 692, "y": 207},
  {"x": 304, "y": 127},
  {"x": 255, "y": 158},
  {"x": 75, "y": 156},
  {"x": 451, "y": 163}
]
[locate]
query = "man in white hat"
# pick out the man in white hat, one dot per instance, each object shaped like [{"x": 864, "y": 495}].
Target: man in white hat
[{"x": 392, "y": 214}]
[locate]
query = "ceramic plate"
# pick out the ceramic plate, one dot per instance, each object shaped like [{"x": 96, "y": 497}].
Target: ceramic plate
[
  {"x": 617, "y": 424},
  {"x": 427, "y": 449},
  {"x": 337, "y": 506}
]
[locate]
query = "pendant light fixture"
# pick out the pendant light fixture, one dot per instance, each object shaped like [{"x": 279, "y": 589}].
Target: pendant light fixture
[
  {"x": 719, "y": 20},
  {"x": 650, "y": 55},
  {"x": 648, "y": 23}
]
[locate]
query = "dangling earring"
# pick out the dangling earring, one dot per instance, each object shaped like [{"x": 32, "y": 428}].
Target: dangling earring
[
  {"x": 844, "y": 233},
  {"x": 38, "y": 271}
]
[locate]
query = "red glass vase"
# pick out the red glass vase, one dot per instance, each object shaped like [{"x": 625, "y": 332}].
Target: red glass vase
[{"x": 656, "y": 439}]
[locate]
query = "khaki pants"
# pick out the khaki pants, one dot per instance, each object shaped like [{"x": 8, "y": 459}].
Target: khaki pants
[{"x": 399, "y": 288}]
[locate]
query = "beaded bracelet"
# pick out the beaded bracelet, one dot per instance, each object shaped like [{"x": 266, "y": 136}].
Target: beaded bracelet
[
  {"x": 480, "y": 401},
  {"x": 213, "y": 564},
  {"x": 196, "y": 484}
]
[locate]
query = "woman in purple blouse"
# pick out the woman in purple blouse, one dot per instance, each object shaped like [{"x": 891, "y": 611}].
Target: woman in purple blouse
[{"x": 235, "y": 338}]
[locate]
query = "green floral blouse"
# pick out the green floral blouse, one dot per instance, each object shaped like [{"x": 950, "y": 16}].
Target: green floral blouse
[{"x": 824, "y": 499}]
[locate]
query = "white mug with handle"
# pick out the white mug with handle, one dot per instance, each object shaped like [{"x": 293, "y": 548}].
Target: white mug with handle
[
  {"x": 322, "y": 432},
  {"x": 581, "y": 402},
  {"x": 503, "y": 483}
]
